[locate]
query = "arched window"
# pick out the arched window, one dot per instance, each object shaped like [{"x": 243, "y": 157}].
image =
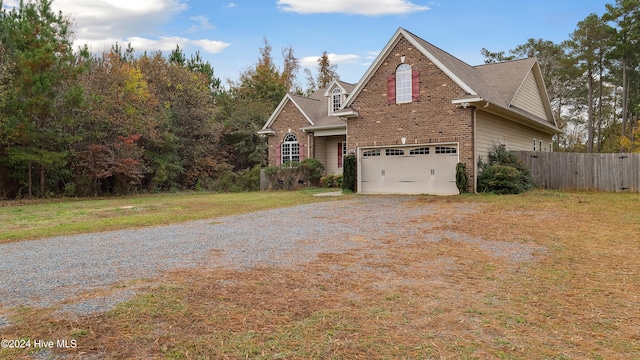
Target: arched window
[
  {"x": 337, "y": 99},
  {"x": 290, "y": 149},
  {"x": 403, "y": 84}
]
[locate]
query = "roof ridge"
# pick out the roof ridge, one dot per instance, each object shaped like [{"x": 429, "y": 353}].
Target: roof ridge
[
  {"x": 506, "y": 62},
  {"x": 439, "y": 48},
  {"x": 302, "y": 96}
]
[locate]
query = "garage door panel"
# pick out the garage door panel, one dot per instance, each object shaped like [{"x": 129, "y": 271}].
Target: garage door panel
[{"x": 403, "y": 171}]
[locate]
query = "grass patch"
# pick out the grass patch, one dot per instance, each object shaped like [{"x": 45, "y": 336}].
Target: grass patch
[
  {"x": 407, "y": 298},
  {"x": 22, "y": 220}
]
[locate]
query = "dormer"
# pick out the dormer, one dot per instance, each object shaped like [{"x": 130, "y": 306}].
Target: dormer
[{"x": 336, "y": 95}]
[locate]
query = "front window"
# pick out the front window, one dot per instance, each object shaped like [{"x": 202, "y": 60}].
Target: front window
[
  {"x": 337, "y": 99},
  {"x": 403, "y": 83},
  {"x": 290, "y": 149}
]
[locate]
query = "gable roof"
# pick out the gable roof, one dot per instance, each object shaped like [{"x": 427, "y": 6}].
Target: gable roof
[
  {"x": 305, "y": 105},
  {"x": 344, "y": 86},
  {"x": 313, "y": 108},
  {"x": 493, "y": 84}
]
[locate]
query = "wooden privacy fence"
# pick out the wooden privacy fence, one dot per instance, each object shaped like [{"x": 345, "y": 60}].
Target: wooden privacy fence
[{"x": 603, "y": 172}]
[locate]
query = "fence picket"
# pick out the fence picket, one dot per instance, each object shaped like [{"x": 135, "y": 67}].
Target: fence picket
[{"x": 580, "y": 171}]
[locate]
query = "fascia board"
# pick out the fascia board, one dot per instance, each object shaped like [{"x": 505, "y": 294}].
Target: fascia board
[
  {"x": 468, "y": 100},
  {"x": 545, "y": 95}
]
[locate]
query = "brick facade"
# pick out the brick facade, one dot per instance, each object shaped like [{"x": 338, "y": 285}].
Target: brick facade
[
  {"x": 289, "y": 118},
  {"x": 431, "y": 119}
]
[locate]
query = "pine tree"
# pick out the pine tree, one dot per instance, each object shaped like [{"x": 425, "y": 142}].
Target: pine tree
[{"x": 42, "y": 94}]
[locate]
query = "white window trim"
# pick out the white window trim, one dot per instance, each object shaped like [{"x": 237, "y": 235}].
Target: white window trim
[
  {"x": 336, "y": 93},
  {"x": 289, "y": 149},
  {"x": 403, "y": 84}
]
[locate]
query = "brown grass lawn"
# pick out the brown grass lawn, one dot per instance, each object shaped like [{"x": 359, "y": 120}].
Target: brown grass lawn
[{"x": 405, "y": 299}]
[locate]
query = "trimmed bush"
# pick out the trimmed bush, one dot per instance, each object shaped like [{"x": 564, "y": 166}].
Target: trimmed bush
[
  {"x": 505, "y": 173},
  {"x": 311, "y": 170}
]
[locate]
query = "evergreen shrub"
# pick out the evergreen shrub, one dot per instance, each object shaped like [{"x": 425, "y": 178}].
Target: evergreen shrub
[{"x": 504, "y": 173}]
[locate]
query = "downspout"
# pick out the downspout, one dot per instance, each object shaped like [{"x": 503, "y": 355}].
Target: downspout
[{"x": 475, "y": 162}]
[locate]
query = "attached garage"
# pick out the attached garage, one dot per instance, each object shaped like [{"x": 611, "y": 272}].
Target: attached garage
[{"x": 402, "y": 169}]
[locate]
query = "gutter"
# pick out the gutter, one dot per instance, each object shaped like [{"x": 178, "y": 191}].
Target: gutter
[
  {"x": 517, "y": 115},
  {"x": 325, "y": 127}
]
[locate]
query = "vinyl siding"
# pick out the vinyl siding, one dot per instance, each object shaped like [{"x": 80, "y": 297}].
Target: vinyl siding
[
  {"x": 321, "y": 150},
  {"x": 326, "y": 152},
  {"x": 331, "y": 163},
  {"x": 528, "y": 97},
  {"x": 491, "y": 129}
]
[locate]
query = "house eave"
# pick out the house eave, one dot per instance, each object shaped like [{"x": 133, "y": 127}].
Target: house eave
[
  {"x": 325, "y": 127},
  {"x": 512, "y": 113},
  {"x": 346, "y": 114},
  {"x": 266, "y": 132},
  {"x": 467, "y": 100},
  {"x": 522, "y": 117}
]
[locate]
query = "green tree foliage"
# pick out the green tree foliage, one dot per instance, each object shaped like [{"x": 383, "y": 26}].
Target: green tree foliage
[
  {"x": 495, "y": 57},
  {"x": 588, "y": 45},
  {"x": 593, "y": 79},
  {"x": 190, "y": 151},
  {"x": 247, "y": 106},
  {"x": 41, "y": 96},
  {"x": 625, "y": 16},
  {"x": 88, "y": 125}
]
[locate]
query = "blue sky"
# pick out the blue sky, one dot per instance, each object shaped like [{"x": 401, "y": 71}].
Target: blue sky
[{"x": 229, "y": 33}]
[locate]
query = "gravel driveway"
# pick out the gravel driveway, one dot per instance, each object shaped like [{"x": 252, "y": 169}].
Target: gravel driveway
[{"x": 57, "y": 271}]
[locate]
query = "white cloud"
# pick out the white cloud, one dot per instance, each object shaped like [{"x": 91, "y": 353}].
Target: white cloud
[
  {"x": 230, "y": 5},
  {"x": 312, "y": 61},
  {"x": 211, "y": 46},
  {"x": 358, "y": 7},
  {"x": 118, "y": 18},
  {"x": 162, "y": 44},
  {"x": 203, "y": 24},
  {"x": 102, "y": 23}
]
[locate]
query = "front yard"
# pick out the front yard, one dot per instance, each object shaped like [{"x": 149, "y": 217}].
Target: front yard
[{"x": 405, "y": 297}]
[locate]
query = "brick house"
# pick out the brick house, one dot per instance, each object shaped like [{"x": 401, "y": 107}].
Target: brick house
[{"x": 413, "y": 116}]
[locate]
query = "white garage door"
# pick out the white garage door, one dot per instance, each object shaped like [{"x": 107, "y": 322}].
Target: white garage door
[{"x": 424, "y": 169}]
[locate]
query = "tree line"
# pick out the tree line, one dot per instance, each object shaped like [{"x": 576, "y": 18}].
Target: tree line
[
  {"x": 76, "y": 123},
  {"x": 79, "y": 124},
  {"x": 593, "y": 79}
]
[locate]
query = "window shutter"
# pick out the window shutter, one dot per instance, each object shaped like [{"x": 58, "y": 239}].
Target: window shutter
[
  {"x": 301, "y": 151},
  {"x": 339, "y": 154},
  {"x": 415, "y": 86},
  {"x": 391, "y": 88},
  {"x": 279, "y": 155}
]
